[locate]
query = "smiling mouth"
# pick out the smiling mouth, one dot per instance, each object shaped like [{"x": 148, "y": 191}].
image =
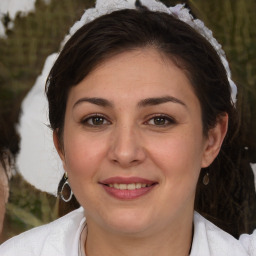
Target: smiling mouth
[
  {"x": 128, "y": 188},
  {"x": 131, "y": 186}
]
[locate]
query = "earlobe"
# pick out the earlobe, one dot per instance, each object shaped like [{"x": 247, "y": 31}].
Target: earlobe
[{"x": 214, "y": 140}]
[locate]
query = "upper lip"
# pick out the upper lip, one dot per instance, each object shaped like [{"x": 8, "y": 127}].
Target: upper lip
[{"x": 127, "y": 180}]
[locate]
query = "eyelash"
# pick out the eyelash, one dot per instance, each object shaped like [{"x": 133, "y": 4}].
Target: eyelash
[
  {"x": 168, "y": 121},
  {"x": 86, "y": 120}
]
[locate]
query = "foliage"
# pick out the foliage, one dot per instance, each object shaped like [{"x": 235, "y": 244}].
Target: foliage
[{"x": 27, "y": 207}]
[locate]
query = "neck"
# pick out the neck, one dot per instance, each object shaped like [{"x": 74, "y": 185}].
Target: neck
[{"x": 172, "y": 240}]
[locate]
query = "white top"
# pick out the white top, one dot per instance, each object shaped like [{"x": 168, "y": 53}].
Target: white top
[{"x": 63, "y": 237}]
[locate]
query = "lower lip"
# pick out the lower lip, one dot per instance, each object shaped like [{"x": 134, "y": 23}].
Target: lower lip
[{"x": 127, "y": 194}]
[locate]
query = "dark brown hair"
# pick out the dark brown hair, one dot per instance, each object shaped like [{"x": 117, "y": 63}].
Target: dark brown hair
[{"x": 134, "y": 29}]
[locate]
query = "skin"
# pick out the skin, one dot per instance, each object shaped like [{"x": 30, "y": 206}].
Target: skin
[
  {"x": 128, "y": 140},
  {"x": 4, "y": 193}
]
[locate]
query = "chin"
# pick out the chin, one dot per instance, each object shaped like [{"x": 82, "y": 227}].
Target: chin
[{"x": 128, "y": 222}]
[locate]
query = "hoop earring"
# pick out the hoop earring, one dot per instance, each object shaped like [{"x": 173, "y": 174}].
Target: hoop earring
[
  {"x": 64, "y": 182},
  {"x": 206, "y": 179}
]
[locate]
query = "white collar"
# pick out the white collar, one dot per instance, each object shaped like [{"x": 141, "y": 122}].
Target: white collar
[
  {"x": 208, "y": 240},
  {"x": 81, "y": 251}
]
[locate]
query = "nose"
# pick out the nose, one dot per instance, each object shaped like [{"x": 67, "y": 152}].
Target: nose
[{"x": 126, "y": 147}]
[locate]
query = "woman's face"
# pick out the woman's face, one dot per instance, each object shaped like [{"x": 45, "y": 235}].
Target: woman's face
[{"x": 133, "y": 144}]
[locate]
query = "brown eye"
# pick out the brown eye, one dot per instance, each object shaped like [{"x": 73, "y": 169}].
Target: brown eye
[
  {"x": 161, "y": 121},
  {"x": 95, "y": 121}
]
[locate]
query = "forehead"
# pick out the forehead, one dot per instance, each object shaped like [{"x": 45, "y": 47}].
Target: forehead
[{"x": 136, "y": 74}]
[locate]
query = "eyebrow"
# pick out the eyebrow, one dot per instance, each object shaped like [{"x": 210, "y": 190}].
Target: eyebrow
[
  {"x": 160, "y": 100},
  {"x": 97, "y": 101},
  {"x": 143, "y": 103}
]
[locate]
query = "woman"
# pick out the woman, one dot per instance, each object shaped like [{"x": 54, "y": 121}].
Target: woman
[{"x": 139, "y": 103}]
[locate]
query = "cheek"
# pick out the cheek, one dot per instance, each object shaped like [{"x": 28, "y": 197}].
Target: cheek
[
  {"x": 83, "y": 160},
  {"x": 83, "y": 153},
  {"x": 178, "y": 156}
]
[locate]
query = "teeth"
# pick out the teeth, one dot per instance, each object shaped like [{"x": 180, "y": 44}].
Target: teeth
[
  {"x": 138, "y": 185},
  {"x": 131, "y": 186},
  {"x": 116, "y": 186},
  {"x": 122, "y": 186}
]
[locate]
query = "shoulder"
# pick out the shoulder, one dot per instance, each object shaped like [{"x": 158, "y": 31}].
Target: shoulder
[
  {"x": 56, "y": 238},
  {"x": 213, "y": 241}
]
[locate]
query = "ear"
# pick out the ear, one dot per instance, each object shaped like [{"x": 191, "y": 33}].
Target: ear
[
  {"x": 214, "y": 140},
  {"x": 58, "y": 146}
]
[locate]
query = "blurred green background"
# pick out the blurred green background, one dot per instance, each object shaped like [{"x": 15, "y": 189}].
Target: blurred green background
[{"x": 34, "y": 37}]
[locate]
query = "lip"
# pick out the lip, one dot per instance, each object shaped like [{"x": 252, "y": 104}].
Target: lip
[{"x": 127, "y": 194}]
